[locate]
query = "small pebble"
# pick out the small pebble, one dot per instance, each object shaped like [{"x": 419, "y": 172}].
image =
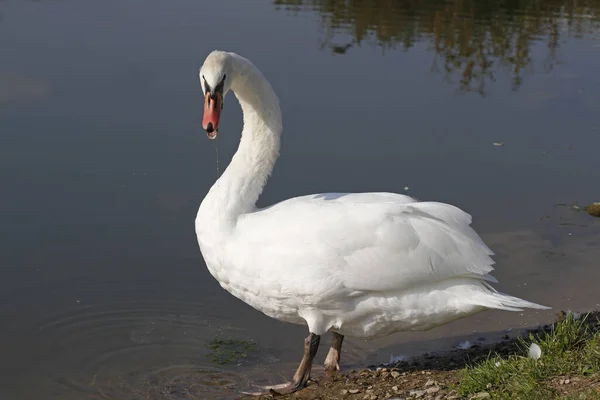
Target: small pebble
[
  {"x": 430, "y": 382},
  {"x": 593, "y": 209},
  {"x": 432, "y": 390},
  {"x": 395, "y": 374},
  {"x": 395, "y": 388},
  {"x": 354, "y": 391},
  {"x": 344, "y": 392},
  {"x": 417, "y": 393},
  {"x": 567, "y": 381}
]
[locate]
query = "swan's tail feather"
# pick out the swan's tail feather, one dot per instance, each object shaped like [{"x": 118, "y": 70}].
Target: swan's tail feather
[{"x": 501, "y": 301}]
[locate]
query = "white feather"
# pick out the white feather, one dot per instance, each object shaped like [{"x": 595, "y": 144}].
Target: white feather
[{"x": 535, "y": 352}]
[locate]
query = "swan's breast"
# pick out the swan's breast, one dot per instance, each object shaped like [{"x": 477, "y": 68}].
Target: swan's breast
[{"x": 245, "y": 283}]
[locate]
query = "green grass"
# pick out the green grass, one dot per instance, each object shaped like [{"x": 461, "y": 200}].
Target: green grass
[{"x": 570, "y": 348}]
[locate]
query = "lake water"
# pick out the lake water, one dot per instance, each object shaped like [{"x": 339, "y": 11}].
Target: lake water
[{"x": 491, "y": 106}]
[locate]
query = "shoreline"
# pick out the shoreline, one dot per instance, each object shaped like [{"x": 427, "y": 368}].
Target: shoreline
[{"x": 461, "y": 373}]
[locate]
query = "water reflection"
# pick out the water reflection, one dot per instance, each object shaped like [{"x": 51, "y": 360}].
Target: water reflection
[{"x": 472, "y": 40}]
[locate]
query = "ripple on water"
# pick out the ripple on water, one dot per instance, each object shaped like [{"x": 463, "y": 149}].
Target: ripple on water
[
  {"x": 175, "y": 382},
  {"x": 150, "y": 350}
]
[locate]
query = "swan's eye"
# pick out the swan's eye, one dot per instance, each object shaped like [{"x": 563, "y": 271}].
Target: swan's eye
[
  {"x": 206, "y": 87},
  {"x": 221, "y": 84}
]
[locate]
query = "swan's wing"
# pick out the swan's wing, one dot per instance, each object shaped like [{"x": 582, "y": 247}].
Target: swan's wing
[
  {"x": 417, "y": 244},
  {"x": 360, "y": 242}
]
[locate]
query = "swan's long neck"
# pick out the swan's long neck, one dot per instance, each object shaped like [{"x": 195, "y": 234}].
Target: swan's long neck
[{"x": 238, "y": 189}]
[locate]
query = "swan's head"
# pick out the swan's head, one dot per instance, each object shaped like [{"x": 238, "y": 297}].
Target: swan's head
[{"x": 215, "y": 79}]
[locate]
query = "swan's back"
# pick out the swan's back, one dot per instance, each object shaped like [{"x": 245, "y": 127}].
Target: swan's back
[{"x": 325, "y": 243}]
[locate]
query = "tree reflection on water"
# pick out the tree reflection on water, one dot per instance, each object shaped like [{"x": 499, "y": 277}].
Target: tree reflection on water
[{"x": 472, "y": 39}]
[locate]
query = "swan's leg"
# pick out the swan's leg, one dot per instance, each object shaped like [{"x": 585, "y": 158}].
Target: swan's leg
[
  {"x": 332, "y": 362},
  {"x": 302, "y": 375}
]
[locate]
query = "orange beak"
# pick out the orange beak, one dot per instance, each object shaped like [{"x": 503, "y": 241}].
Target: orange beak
[{"x": 212, "y": 114}]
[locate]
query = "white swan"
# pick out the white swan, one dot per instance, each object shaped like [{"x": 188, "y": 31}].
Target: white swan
[{"x": 363, "y": 265}]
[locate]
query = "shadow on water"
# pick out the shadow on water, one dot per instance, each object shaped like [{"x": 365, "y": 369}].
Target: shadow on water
[{"x": 472, "y": 40}]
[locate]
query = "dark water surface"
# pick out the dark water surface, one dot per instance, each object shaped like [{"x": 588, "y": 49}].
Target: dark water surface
[{"x": 103, "y": 291}]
